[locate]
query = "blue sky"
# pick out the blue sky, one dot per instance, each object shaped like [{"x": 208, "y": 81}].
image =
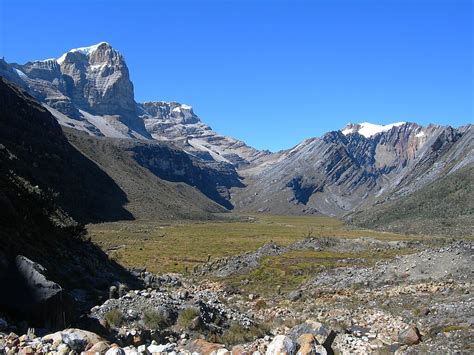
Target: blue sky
[{"x": 271, "y": 72}]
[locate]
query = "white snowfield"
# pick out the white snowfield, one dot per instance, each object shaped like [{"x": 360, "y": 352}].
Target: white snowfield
[
  {"x": 367, "y": 129},
  {"x": 21, "y": 74}
]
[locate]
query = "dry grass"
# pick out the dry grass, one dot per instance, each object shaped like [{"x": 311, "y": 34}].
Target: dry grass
[
  {"x": 176, "y": 246},
  {"x": 295, "y": 267}
]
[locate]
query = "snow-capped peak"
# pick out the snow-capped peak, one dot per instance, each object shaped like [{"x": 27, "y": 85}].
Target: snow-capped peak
[
  {"x": 83, "y": 50},
  {"x": 367, "y": 129}
]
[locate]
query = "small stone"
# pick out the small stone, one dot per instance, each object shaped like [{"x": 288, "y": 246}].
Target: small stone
[
  {"x": 100, "y": 347},
  {"x": 295, "y": 295},
  {"x": 115, "y": 350},
  {"x": 142, "y": 349},
  {"x": 409, "y": 336}
]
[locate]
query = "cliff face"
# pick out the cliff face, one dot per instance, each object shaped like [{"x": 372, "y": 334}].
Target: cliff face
[
  {"x": 177, "y": 123},
  {"x": 86, "y": 81}
]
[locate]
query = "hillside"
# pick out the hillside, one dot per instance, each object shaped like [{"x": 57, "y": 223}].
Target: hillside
[
  {"x": 42, "y": 177},
  {"x": 151, "y": 176},
  {"x": 47, "y": 159},
  {"x": 444, "y": 207}
]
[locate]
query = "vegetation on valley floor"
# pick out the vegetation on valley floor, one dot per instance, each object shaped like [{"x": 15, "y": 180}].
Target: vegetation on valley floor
[{"x": 178, "y": 246}]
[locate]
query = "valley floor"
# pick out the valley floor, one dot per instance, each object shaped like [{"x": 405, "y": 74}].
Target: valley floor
[
  {"x": 164, "y": 246},
  {"x": 258, "y": 284},
  {"x": 355, "y": 291}
]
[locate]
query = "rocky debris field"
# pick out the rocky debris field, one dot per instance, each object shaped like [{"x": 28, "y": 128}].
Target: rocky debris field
[
  {"x": 410, "y": 304},
  {"x": 224, "y": 267}
]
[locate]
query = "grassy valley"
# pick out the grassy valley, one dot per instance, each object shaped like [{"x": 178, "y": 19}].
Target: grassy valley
[{"x": 163, "y": 246}]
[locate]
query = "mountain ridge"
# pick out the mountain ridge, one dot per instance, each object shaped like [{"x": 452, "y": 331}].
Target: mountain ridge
[{"x": 342, "y": 172}]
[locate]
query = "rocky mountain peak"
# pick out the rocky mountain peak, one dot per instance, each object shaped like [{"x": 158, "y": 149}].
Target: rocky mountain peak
[
  {"x": 102, "y": 48},
  {"x": 367, "y": 129},
  {"x": 168, "y": 111}
]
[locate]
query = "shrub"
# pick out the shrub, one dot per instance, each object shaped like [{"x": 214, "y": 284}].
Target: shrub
[
  {"x": 260, "y": 304},
  {"x": 186, "y": 316},
  {"x": 114, "y": 317},
  {"x": 154, "y": 319},
  {"x": 238, "y": 334}
]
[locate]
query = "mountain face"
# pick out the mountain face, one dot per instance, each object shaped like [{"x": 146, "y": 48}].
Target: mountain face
[
  {"x": 179, "y": 124},
  {"x": 89, "y": 85},
  {"x": 362, "y": 165},
  {"x": 344, "y": 171},
  {"x": 444, "y": 207},
  {"x": 89, "y": 89}
]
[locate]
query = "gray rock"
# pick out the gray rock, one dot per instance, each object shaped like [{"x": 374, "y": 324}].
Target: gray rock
[
  {"x": 409, "y": 336},
  {"x": 295, "y": 295},
  {"x": 42, "y": 301}
]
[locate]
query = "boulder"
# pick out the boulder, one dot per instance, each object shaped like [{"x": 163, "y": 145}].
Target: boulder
[
  {"x": 281, "y": 345},
  {"x": 409, "y": 336},
  {"x": 43, "y": 303},
  {"x": 115, "y": 350},
  {"x": 204, "y": 347},
  {"x": 100, "y": 347},
  {"x": 76, "y": 339},
  {"x": 317, "y": 329}
]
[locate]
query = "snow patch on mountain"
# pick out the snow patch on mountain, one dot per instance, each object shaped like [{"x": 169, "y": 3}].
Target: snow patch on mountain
[
  {"x": 367, "y": 129},
  {"x": 21, "y": 74}
]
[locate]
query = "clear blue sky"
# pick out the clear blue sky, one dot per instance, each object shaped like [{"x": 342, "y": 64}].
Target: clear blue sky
[{"x": 271, "y": 72}]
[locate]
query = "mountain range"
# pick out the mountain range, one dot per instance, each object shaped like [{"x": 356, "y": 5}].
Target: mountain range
[{"x": 164, "y": 162}]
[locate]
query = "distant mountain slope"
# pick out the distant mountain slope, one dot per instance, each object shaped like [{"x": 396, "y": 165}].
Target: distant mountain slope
[
  {"x": 178, "y": 123},
  {"x": 344, "y": 170},
  {"x": 443, "y": 207},
  {"x": 89, "y": 89},
  {"x": 160, "y": 181}
]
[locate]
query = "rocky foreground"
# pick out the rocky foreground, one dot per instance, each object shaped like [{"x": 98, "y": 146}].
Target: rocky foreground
[{"x": 417, "y": 303}]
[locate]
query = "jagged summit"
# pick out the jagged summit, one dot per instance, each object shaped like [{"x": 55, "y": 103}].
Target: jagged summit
[
  {"x": 367, "y": 129},
  {"x": 83, "y": 50}
]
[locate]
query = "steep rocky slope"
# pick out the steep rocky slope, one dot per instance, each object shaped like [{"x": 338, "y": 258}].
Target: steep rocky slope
[
  {"x": 90, "y": 86},
  {"x": 178, "y": 123},
  {"x": 44, "y": 157},
  {"x": 159, "y": 180},
  {"x": 444, "y": 207},
  {"x": 346, "y": 170},
  {"x": 42, "y": 177}
]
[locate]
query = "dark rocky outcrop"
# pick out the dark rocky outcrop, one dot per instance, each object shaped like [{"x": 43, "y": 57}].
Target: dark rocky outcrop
[{"x": 32, "y": 296}]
